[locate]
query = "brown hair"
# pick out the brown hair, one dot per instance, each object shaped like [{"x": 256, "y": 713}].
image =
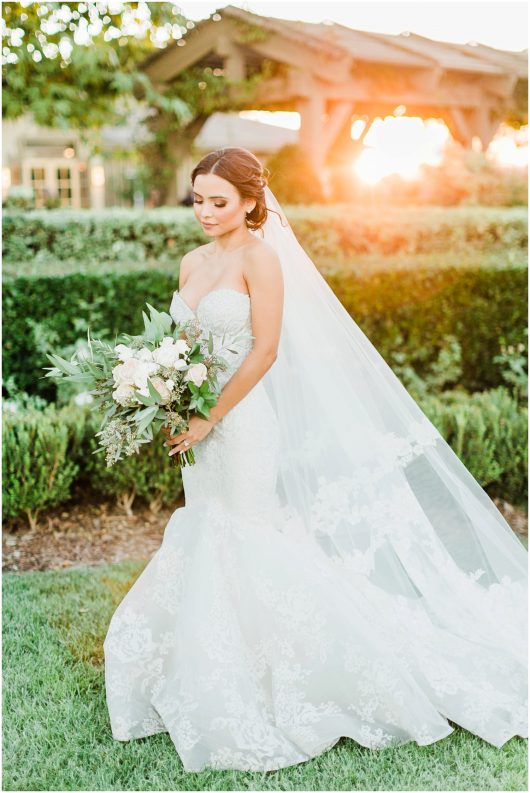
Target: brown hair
[{"x": 242, "y": 169}]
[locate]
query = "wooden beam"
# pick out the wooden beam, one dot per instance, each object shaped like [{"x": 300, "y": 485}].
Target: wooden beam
[
  {"x": 294, "y": 55},
  {"x": 337, "y": 116},
  {"x": 171, "y": 62},
  {"x": 479, "y": 121},
  {"x": 299, "y": 83},
  {"x": 233, "y": 57},
  {"x": 461, "y": 128}
]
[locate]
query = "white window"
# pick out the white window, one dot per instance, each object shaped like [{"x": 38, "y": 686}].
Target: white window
[{"x": 53, "y": 178}]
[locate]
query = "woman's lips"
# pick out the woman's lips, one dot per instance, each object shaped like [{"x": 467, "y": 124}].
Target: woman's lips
[{"x": 208, "y": 225}]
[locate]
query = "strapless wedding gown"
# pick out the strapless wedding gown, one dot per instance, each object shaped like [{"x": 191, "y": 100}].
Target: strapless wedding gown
[{"x": 247, "y": 646}]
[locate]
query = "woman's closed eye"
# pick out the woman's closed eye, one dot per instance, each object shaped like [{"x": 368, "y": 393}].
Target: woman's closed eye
[{"x": 219, "y": 206}]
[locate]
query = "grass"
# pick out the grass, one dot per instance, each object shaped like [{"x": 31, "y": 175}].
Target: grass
[{"x": 57, "y": 734}]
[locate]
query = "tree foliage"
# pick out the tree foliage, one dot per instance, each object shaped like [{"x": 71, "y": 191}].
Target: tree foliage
[
  {"x": 79, "y": 66},
  {"x": 68, "y": 63}
]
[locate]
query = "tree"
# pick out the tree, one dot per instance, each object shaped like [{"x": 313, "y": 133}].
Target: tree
[
  {"x": 77, "y": 66},
  {"x": 68, "y": 63}
]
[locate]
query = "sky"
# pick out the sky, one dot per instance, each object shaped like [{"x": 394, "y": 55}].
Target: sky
[{"x": 497, "y": 24}]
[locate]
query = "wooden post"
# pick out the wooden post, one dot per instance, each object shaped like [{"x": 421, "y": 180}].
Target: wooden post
[{"x": 311, "y": 139}]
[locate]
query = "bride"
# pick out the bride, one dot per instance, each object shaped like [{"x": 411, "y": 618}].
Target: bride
[{"x": 336, "y": 570}]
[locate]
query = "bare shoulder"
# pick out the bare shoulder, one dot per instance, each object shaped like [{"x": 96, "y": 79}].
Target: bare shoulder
[
  {"x": 263, "y": 271},
  {"x": 262, "y": 256}
]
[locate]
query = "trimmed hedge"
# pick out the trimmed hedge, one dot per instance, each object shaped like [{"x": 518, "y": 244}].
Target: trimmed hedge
[
  {"x": 37, "y": 470},
  {"x": 401, "y": 311},
  {"x": 45, "y": 451},
  {"x": 412, "y": 311},
  {"x": 44, "y": 314},
  {"x": 339, "y": 230},
  {"x": 488, "y": 431},
  {"x": 114, "y": 234}
]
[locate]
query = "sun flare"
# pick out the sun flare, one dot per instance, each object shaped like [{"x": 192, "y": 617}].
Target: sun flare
[
  {"x": 509, "y": 147},
  {"x": 400, "y": 146}
]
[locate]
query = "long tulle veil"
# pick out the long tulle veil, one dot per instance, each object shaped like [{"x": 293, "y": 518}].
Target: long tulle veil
[{"x": 368, "y": 476}]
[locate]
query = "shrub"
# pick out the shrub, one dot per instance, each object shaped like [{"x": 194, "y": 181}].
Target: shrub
[
  {"x": 91, "y": 235},
  {"x": 151, "y": 474},
  {"x": 37, "y": 471},
  {"x": 45, "y": 450},
  {"x": 19, "y": 198},
  {"x": 409, "y": 311},
  {"x": 339, "y": 231},
  {"x": 488, "y": 432},
  {"x": 45, "y": 314}
]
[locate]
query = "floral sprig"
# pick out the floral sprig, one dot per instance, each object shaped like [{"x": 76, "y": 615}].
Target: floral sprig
[{"x": 159, "y": 378}]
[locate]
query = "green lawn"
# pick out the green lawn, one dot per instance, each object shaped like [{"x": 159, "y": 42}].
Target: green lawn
[{"x": 57, "y": 734}]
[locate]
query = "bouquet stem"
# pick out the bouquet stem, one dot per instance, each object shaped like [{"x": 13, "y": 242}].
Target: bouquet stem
[{"x": 184, "y": 458}]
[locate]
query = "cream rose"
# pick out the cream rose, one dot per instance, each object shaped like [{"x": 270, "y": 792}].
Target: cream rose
[
  {"x": 123, "y": 352},
  {"x": 197, "y": 374},
  {"x": 134, "y": 372},
  {"x": 123, "y": 393},
  {"x": 169, "y": 351},
  {"x": 162, "y": 389}
]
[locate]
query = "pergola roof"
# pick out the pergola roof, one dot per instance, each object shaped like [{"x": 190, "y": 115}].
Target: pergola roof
[
  {"x": 330, "y": 73},
  {"x": 405, "y": 49}
]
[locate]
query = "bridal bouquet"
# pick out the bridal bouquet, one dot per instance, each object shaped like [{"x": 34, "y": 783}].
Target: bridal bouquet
[{"x": 156, "y": 379}]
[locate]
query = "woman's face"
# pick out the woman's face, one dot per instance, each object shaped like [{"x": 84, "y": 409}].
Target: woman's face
[{"x": 217, "y": 204}]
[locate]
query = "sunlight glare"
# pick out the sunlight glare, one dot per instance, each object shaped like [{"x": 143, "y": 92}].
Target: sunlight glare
[
  {"x": 509, "y": 147},
  {"x": 400, "y": 146}
]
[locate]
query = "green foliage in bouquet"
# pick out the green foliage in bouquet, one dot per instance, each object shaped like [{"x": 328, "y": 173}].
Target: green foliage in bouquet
[{"x": 154, "y": 379}]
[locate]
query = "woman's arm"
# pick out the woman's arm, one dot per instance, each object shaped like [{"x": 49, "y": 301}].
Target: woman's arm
[{"x": 263, "y": 275}]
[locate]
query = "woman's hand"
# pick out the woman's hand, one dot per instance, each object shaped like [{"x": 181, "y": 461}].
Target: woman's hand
[{"x": 198, "y": 429}]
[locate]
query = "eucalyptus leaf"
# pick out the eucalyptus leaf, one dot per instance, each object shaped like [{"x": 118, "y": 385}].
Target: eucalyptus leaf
[
  {"x": 147, "y": 419},
  {"x": 65, "y": 366},
  {"x": 153, "y": 392}
]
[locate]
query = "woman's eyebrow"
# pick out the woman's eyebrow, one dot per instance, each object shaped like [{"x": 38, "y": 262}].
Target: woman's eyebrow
[{"x": 212, "y": 196}]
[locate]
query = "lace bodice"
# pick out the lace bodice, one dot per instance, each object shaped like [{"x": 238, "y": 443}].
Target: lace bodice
[{"x": 221, "y": 311}]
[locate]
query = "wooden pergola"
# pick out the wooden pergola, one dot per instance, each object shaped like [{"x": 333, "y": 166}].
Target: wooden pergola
[{"x": 332, "y": 74}]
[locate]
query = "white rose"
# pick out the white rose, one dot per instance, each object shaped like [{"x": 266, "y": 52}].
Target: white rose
[
  {"x": 124, "y": 352},
  {"x": 144, "y": 370},
  {"x": 123, "y": 393},
  {"x": 179, "y": 364},
  {"x": 162, "y": 389},
  {"x": 197, "y": 374},
  {"x": 168, "y": 352},
  {"x": 170, "y": 384},
  {"x": 182, "y": 346},
  {"x": 144, "y": 354},
  {"x": 125, "y": 372}
]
